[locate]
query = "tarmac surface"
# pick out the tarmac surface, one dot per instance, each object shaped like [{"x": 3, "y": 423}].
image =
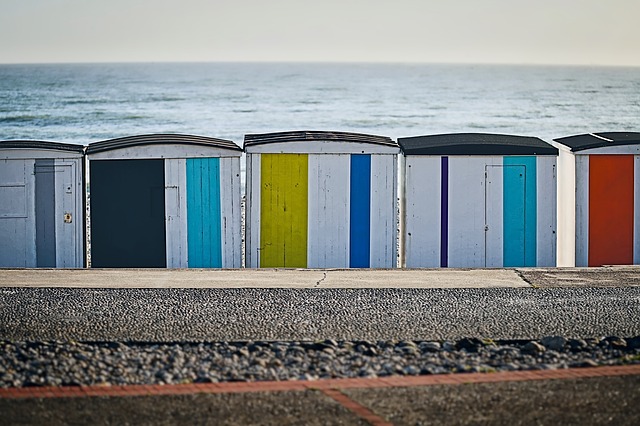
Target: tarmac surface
[{"x": 428, "y": 304}]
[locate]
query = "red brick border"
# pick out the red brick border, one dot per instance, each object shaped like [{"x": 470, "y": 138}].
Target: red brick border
[{"x": 322, "y": 385}]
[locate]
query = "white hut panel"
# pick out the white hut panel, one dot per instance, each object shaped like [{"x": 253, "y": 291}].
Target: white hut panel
[
  {"x": 41, "y": 205},
  {"x": 479, "y": 211}
]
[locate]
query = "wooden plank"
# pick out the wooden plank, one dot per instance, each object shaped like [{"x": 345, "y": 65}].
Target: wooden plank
[
  {"x": 494, "y": 216},
  {"x": 423, "y": 212},
  {"x": 204, "y": 234},
  {"x": 176, "y": 212},
  {"x": 283, "y": 210},
  {"x": 360, "y": 215},
  {"x": 66, "y": 203},
  {"x": 611, "y": 199},
  {"x": 230, "y": 212},
  {"x": 252, "y": 209},
  {"x": 384, "y": 213},
  {"x": 546, "y": 238},
  {"x": 582, "y": 210},
  {"x": 164, "y": 151},
  {"x": 45, "y": 177},
  {"x": 328, "y": 244},
  {"x": 466, "y": 212}
]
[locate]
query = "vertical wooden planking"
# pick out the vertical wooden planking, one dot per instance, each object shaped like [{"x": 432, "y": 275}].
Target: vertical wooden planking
[
  {"x": 360, "y": 211},
  {"x": 204, "y": 235},
  {"x": 582, "y": 210},
  {"x": 283, "y": 210},
  {"x": 328, "y": 245},
  {"x": 423, "y": 211},
  {"x": 17, "y": 209},
  {"x": 65, "y": 203},
  {"x": 384, "y": 214},
  {"x": 520, "y": 211},
  {"x": 546, "y": 238},
  {"x": 230, "y": 212},
  {"x": 466, "y": 212},
  {"x": 252, "y": 209},
  {"x": 494, "y": 212},
  {"x": 611, "y": 199},
  {"x": 176, "y": 212},
  {"x": 636, "y": 210}
]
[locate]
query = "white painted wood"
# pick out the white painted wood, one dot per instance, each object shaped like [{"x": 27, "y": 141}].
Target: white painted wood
[
  {"x": 230, "y": 216},
  {"x": 402, "y": 208},
  {"x": 582, "y": 210},
  {"x": 618, "y": 149},
  {"x": 321, "y": 147},
  {"x": 68, "y": 235},
  {"x": 546, "y": 202},
  {"x": 494, "y": 212},
  {"x": 175, "y": 181},
  {"x": 566, "y": 211},
  {"x": 17, "y": 213},
  {"x": 422, "y": 221},
  {"x": 466, "y": 212},
  {"x": 384, "y": 214},
  {"x": 636, "y": 210},
  {"x": 252, "y": 220},
  {"x": 164, "y": 151},
  {"x": 28, "y": 154},
  {"x": 328, "y": 211}
]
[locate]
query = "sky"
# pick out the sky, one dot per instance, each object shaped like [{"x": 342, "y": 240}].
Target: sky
[{"x": 580, "y": 32}]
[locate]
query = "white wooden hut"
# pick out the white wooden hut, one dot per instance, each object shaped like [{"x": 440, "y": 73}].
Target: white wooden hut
[
  {"x": 478, "y": 200},
  {"x": 606, "y": 197},
  {"x": 42, "y": 220},
  {"x": 165, "y": 200},
  {"x": 321, "y": 200}
]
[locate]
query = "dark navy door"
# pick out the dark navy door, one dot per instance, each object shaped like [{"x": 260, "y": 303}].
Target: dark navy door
[{"x": 127, "y": 214}]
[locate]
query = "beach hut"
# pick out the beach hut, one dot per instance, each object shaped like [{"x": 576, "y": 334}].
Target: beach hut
[
  {"x": 165, "y": 201},
  {"x": 478, "y": 200},
  {"x": 607, "y": 197},
  {"x": 321, "y": 200},
  {"x": 42, "y": 219}
]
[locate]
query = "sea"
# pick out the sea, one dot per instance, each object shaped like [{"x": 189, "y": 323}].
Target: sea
[{"x": 84, "y": 103}]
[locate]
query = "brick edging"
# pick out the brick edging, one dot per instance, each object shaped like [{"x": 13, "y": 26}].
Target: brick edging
[{"x": 323, "y": 384}]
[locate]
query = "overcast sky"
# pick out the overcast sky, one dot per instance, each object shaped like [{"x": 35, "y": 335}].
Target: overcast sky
[{"x": 591, "y": 32}]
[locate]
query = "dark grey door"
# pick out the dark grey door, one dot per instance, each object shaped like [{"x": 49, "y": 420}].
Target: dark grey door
[{"x": 127, "y": 214}]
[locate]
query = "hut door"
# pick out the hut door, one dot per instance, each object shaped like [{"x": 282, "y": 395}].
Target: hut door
[
  {"x": 66, "y": 215},
  {"x": 505, "y": 215},
  {"x": 127, "y": 213},
  {"x": 16, "y": 217}
]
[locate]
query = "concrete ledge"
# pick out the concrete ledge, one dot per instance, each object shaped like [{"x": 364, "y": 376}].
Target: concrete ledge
[{"x": 262, "y": 278}]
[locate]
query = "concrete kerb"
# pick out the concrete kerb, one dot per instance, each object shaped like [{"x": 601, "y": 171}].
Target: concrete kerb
[{"x": 262, "y": 278}]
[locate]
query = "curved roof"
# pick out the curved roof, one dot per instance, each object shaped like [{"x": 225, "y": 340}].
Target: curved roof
[
  {"x": 155, "y": 139},
  {"x": 306, "y": 135},
  {"x": 56, "y": 146},
  {"x": 599, "y": 140},
  {"x": 475, "y": 144}
]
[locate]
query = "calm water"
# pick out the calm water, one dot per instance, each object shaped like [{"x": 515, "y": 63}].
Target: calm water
[{"x": 87, "y": 103}]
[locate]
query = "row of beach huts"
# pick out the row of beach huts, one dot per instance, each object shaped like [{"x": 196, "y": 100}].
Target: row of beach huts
[{"x": 318, "y": 199}]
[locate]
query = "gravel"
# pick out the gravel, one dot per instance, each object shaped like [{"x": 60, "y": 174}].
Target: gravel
[
  {"x": 58, "y": 363},
  {"x": 196, "y": 315}
]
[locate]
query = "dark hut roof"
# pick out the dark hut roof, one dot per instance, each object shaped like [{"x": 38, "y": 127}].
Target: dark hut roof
[
  {"x": 475, "y": 144},
  {"x": 599, "y": 140},
  {"x": 305, "y": 135},
  {"x": 56, "y": 146},
  {"x": 155, "y": 139}
]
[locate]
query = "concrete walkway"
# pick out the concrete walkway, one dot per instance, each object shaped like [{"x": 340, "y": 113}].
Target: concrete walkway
[{"x": 262, "y": 278}]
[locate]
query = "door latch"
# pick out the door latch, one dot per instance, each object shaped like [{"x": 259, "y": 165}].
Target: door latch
[{"x": 68, "y": 218}]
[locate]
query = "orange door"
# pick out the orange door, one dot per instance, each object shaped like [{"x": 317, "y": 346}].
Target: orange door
[{"x": 610, "y": 210}]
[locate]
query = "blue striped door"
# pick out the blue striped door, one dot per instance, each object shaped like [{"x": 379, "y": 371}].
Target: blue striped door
[{"x": 204, "y": 233}]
